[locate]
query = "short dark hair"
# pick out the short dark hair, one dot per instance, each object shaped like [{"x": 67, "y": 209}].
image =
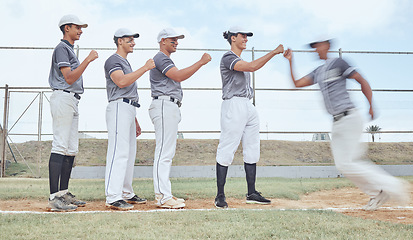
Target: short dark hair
[
  {"x": 227, "y": 35},
  {"x": 116, "y": 40},
  {"x": 62, "y": 28}
]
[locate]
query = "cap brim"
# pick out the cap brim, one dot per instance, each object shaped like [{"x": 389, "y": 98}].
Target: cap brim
[
  {"x": 312, "y": 45},
  {"x": 136, "y": 35},
  {"x": 249, "y": 34}
]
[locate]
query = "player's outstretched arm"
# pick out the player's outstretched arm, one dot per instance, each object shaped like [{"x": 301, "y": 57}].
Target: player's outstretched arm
[
  {"x": 365, "y": 89},
  {"x": 302, "y": 82},
  {"x": 183, "y": 74},
  {"x": 72, "y": 76},
  {"x": 253, "y": 66},
  {"x": 123, "y": 80}
]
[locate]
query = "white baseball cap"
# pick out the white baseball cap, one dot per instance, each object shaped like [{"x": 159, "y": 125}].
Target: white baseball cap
[
  {"x": 238, "y": 29},
  {"x": 124, "y": 32},
  {"x": 71, "y": 19},
  {"x": 321, "y": 39},
  {"x": 169, "y": 33}
]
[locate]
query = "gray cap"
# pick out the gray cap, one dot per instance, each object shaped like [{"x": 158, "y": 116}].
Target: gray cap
[
  {"x": 124, "y": 32},
  {"x": 238, "y": 29},
  {"x": 71, "y": 19},
  {"x": 169, "y": 33}
]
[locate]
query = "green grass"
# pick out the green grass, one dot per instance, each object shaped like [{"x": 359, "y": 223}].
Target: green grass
[
  {"x": 193, "y": 224},
  {"x": 214, "y": 224},
  {"x": 193, "y": 188}
]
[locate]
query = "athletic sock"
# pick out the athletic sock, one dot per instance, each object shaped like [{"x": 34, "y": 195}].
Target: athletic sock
[
  {"x": 221, "y": 178},
  {"x": 66, "y": 171},
  {"x": 55, "y": 168},
  {"x": 250, "y": 174}
]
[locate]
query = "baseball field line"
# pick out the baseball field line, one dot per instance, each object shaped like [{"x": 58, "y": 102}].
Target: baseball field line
[{"x": 185, "y": 210}]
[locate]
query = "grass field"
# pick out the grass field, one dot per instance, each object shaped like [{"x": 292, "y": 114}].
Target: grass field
[
  {"x": 191, "y": 224},
  {"x": 32, "y": 157}
]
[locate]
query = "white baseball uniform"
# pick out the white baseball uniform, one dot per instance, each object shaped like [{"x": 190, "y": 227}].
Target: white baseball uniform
[
  {"x": 239, "y": 118},
  {"x": 165, "y": 115},
  {"x": 347, "y": 131},
  {"x": 120, "y": 121}
]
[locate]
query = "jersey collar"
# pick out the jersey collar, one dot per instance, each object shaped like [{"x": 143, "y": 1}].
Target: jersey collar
[{"x": 68, "y": 43}]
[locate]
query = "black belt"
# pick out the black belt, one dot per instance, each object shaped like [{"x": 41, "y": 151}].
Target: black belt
[
  {"x": 340, "y": 115},
  {"x": 133, "y": 103},
  {"x": 76, "y": 95},
  {"x": 171, "y": 99}
]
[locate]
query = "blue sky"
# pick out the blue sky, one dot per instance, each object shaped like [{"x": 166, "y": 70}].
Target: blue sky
[{"x": 356, "y": 25}]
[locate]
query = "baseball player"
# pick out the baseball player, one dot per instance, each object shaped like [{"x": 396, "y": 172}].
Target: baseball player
[
  {"x": 239, "y": 118},
  {"x": 123, "y": 127},
  {"x": 348, "y": 127},
  {"x": 67, "y": 83},
  {"x": 164, "y": 112}
]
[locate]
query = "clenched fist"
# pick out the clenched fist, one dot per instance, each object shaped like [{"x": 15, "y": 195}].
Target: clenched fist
[
  {"x": 92, "y": 56},
  {"x": 279, "y": 49},
  {"x": 149, "y": 64},
  {"x": 206, "y": 58}
]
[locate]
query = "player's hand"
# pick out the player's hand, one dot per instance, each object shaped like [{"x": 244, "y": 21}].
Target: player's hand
[
  {"x": 150, "y": 64},
  {"x": 371, "y": 112},
  {"x": 92, "y": 56},
  {"x": 279, "y": 49},
  {"x": 288, "y": 54},
  {"x": 138, "y": 128},
  {"x": 206, "y": 58}
]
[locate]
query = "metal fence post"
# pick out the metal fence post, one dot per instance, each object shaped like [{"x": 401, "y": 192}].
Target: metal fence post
[
  {"x": 4, "y": 135},
  {"x": 77, "y": 51},
  {"x": 253, "y": 77},
  {"x": 340, "y": 52}
]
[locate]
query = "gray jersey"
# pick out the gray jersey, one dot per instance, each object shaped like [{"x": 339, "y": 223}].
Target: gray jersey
[
  {"x": 64, "y": 56},
  {"x": 331, "y": 78},
  {"x": 113, "y": 63},
  {"x": 234, "y": 83},
  {"x": 161, "y": 85}
]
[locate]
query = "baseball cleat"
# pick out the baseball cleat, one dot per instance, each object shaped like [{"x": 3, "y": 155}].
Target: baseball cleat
[
  {"x": 136, "y": 200},
  {"x": 220, "y": 201},
  {"x": 70, "y": 198},
  {"x": 377, "y": 201},
  {"x": 172, "y": 204},
  {"x": 119, "y": 205},
  {"x": 181, "y": 200},
  {"x": 59, "y": 204},
  {"x": 256, "y": 198}
]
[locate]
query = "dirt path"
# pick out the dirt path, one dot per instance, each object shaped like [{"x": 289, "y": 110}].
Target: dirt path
[{"x": 348, "y": 201}]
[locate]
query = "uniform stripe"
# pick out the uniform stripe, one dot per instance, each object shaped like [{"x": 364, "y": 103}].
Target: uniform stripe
[
  {"x": 160, "y": 152},
  {"x": 114, "y": 148}
]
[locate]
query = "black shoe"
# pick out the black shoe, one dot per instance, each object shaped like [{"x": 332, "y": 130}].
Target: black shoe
[
  {"x": 220, "y": 201},
  {"x": 257, "y": 198},
  {"x": 135, "y": 200},
  {"x": 119, "y": 205}
]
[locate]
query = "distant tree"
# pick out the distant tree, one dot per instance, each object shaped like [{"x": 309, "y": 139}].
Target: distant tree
[{"x": 373, "y": 129}]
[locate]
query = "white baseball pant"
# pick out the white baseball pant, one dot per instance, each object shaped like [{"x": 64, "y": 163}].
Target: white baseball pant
[
  {"x": 239, "y": 122},
  {"x": 165, "y": 116},
  {"x": 121, "y": 152},
  {"x": 65, "y": 115},
  {"x": 348, "y": 151}
]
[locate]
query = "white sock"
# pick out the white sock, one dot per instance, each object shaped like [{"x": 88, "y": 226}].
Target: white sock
[
  {"x": 63, "y": 192},
  {"x": 52, "y": 196}
]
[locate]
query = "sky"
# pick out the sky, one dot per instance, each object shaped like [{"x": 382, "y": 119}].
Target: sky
[{"x": 367, "y": 25}]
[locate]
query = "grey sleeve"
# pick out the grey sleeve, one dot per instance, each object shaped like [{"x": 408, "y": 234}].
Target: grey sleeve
[
  {"x": 62, "y": 57},
  {"x": 163, "y": 63},
  {"x": 112, "y": 65},
  {"x": 229, "y": 61},
  {"x": 345, "y": 68}
]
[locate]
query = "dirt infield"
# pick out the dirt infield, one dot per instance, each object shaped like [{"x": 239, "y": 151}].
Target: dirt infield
[{"x": 347, "y": 201}]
